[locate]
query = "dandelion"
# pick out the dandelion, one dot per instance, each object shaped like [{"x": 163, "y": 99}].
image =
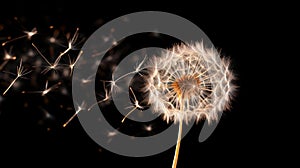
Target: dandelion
[{"x": 189, "y": 82}]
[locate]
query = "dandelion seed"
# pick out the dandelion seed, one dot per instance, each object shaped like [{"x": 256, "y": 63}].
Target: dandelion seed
[
  {"x": 79, "y": 109},
  {"x": 50, "y": 65},
  {"x": 71, "y": 45},
  {"x": 28, "y": 34},
  {"x": 20, "y": 72},
  {"x": 137, "y": 70},
  {"x": 72, "y": 64},
  {"x": 136, "y": 105},
  {"x": 46, "y": 90},
  {"x": 106, "y": 98}
]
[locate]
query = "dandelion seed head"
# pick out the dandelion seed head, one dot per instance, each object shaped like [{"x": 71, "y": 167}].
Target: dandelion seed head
[{"x": 189, "y": 82}]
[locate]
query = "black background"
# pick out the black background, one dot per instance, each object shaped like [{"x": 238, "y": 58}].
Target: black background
[{"x": 248, "y": 135}]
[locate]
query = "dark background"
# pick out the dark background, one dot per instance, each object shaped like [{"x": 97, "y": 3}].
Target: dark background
[{"x": 247, "y": 135}]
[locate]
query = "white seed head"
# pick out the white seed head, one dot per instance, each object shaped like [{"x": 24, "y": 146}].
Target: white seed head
[{"x": 189, "y": 82}]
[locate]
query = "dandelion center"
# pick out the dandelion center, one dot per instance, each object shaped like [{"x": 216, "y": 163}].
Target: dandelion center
[{"x": 185, "y": 86}]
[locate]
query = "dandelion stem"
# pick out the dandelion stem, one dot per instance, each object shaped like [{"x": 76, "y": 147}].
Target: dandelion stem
[{"x": 177, "y": 145}]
